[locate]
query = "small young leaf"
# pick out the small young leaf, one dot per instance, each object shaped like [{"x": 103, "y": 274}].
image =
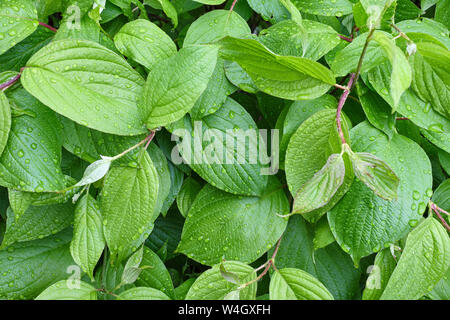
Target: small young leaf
[
  {"x": 5, "y": 121},
  {"x": 376, "y": 174},
  {"x": 322, "y": 187},
  {"x": 95, "y": 172},
  {"x": 131, "y": 270}
]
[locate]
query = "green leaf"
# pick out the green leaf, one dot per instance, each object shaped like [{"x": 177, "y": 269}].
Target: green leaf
[
  {"x": 19, "y": 20},
  {"x": 330, "y": 265},
  {"x": 401, "y": 71},
  {"x": 442, "y": 12},
  {"x": 441, "y": 291},
  {"x": 325, "y": 8},
  {"x": 63, "y": 290},
  {"x": 221, "y": 225},
  {"x": 95, "y": 171},
  {"x": 296, "y": 284},
  {"x": 154, "y": 274},
  {"x": 211, "y": 285},
  {"x": 187, "y": 195},
  {"x": 322, "y": 234},
  {"x": 379, "y": 274},
  {"x": 37, "y": 223},
  {"x": 237, "y": 76},
  {"x": 131, "y": 270},
  {"x": 5, "y": 121},
  {"x": 224, "y": 164},
  {"x": 321, "y": 188},
  {"x": 176, "y": 83},
  {"x": 312, "y": 40},
  {"x": 376, "y": 174},
  {"x": 16, "y": 57},
  {"x": 377, "y": 111},
  {"x": 32, "y": 156},
  {"x": 164, "y": 176},
  {"x": 427, "y": 30},
  {"x": 145, "y": 43},
  {"x": 436, "y": 127},
  {"x": 362, "y": 222},
  {"x": 214, "y": 25},
  {"x": 298, "y": 112},
  {"x": 286, "y": 77},
  {"x": 346, "y": 60},
  {"x": 441, "y": 195},
  {"x": 215, "y": 94},
  {"x": 127, "y": 204},
  {"x": 88, "y": 240},
  {"x": 167, "y": 7},
  {"x": 317, "y": 133},
  {"x": 90, "y": 145},
  {"x": 39, "y": 263},
  {"x": 271, "y": 10},
  {"x": 53, "y": 77},
  {"x": 19, "y": 201},
  {"x": 142, "y": 293},
  {"x": 431, "y": 75},
  {"x": 424, "y": 262}
]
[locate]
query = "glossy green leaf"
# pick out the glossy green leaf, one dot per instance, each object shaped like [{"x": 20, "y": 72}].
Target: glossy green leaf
[
  {"x": 376, "y": 174},
  {"x": 330, "y": 265},
  {"x": 167, "y": 7},
  {"x": 32, "y": 266},
  {"x": 65, "y": 290},
  {"x": 187, "y": 195},
  {"x": 211, "y": 285},
  {"x": 223, "y": 164},
  {"x": 144, "y": 42},
  {"x": 154, "y": 274},
  {"x": 176, "y": 83},
  {"x": 321, "y": 188},
  {"x": 373, "y": 221},
  {"x": 215, "y": 25},
  {"x": 37, "y": 223},
  {"x": 431, "y": 76},
  {"x": 436, "y": 127},
  {"x": 379, "y": 274},
  {"x": 127, "y": 204},
  {"x": 296, "y": 284},
  {"x": 5, "y": 121},
  {"x": 32, "y": 156},
  {"x": 317, "y": 133},
  {"x": 19, "y": 20},
  {"x": 142, "y": 293},
  {"x": 287, "y": 38},
  {"x": 220, "y": 225},
  {"x": 325, "y": 8},
  {"x": 424, "y": 262},
  {"x": 270, "y": 10},
  {"x": 88, "y": 240},
  {"x": 286, "y": 77},
  {"x": 54, "y": 76},
  {"x": 377, "y": 111}
]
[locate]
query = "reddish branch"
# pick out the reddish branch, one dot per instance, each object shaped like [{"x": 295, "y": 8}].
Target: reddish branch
[
  {"x": 345, "y": 38},
  {"x": 341, "y": 103},
  {"x": 48, "y": 26},
  {"x": 438, "y": 212},
  {"x": 232, "y": 5}
]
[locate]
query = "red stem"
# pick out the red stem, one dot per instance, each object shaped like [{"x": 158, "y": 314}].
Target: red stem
[
  {"x": 150, "y": 138},
  {"x": 232, "y": 5},
  {"x": 341, "y": 105},
  {"x": 436, "y": 210},
  {"x": 9, "y": 83},
  {"x": 401, "y": 118},
  {"x": 345, "y": 38},
  {"x": 48, "y": 26}
]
